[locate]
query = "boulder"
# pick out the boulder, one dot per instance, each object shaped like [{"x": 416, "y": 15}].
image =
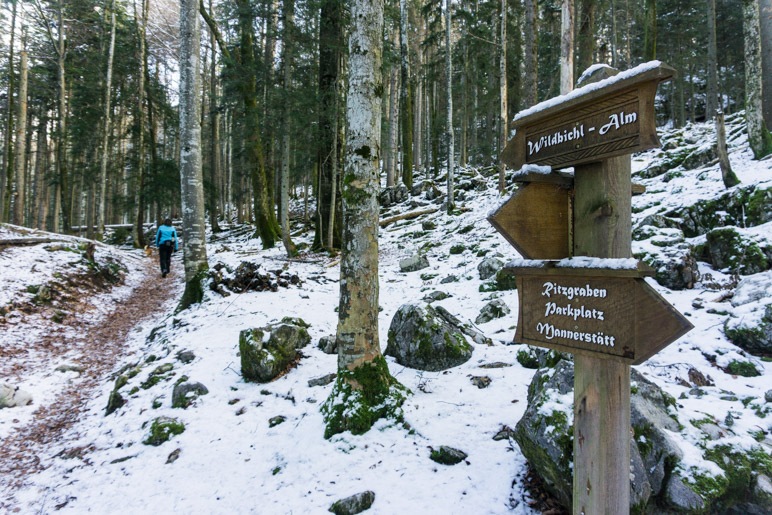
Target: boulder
[
  {"x": 419, "y": 337},
  {"x": 184, "y": 394},
  {"x": 729, "y": 249},
  {"x": 489, "y": 266},
  {"x": 392, "y": 195},
  {"x": 676, "y": 266},
  {"x": 492, "y": 310},
  {"x": 162, "y": 429},
  {"x": 750, "y": 326},
  {"x": 413, "y": 263},
  {"x": 746, "y": 206},
  {"x": 328, "y": 344},
  {"x": 11, "y": 397},
  {"x": 354, "y": 504},
  {"x": 447, "y": 455},
  {"x": 267, "y": 352}
]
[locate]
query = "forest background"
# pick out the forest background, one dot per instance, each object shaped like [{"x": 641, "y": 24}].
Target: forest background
[{"x": 89, "y": 96}]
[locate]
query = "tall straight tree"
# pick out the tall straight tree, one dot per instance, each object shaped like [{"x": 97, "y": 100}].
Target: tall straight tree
[
  {"x": 138, "y": 231},
  {"x": 759, "y": 137},
  {"x": 288, "y": 45},
  {"x": 587, "y": 36},
  {"x": 191, "y": 172},
  {"x": 566, "y": 46},
  {"x": 531, "y": 48},
  {"x": 650, "y": 31},
  {"x": 711, "y": 95},
  {"x": 503, "y": 93},
  {"x": 107, "y": 120},
  {"x": 328, "y": 225},
  {"x": 765, "y": 22},
  {"x": 405, "y": 98},
  {"x": 449, "y": 106},
  {"x": 364, "y": 390},
  {"x": 6, "y": 176},
  {"x": 21, "y": 143}
]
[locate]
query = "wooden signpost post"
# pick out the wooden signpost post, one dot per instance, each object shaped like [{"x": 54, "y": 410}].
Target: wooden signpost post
[{"x": 591, "y": 300}]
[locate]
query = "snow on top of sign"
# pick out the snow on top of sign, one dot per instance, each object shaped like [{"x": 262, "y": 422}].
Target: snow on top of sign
[
  {"x": 578, "y": 262},
  {"x": 586, "y": 90},
  {"x": 533, "y": 168}
]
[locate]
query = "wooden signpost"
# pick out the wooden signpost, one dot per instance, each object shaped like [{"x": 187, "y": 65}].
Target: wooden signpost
[{"x": 601, "y": 310}]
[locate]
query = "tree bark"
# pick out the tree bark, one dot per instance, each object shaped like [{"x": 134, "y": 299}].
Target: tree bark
[
  {"x": 6, "y": 176},
  {"x": 288, "y": 45},
  {"x": 727, "y": 174},
  {"x": 711, "y": 100},
  {"x": 765, "y": 22},
  {"x": 21, "y": 144},
  {"x": 191, "y": 173},
  {"x": 503, "y": 125},
  {"x": 406, "y": 100},
  {"x": 101, "y": 203},
  {"x": 451, "y": 203},
  {"x": 586, "y": 39},
  {"x": 567, "y": 46},
  {"x": 758, "y": 136},
  {"x": 650, "y": 31},
  {"x": 530, "y": 79},
  {"x": 139, "y": 184}
]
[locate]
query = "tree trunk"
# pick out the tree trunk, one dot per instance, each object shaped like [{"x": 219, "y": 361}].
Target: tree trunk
[
  {"x": 406, "y": 101},
  {"x": 711, "y": 99},
  {"x": 6, "y": 175},
  {"x": 503, "y": 126},
  {"x": 566, "y": 46},
  {"x": 650, "y": 31},
  {"x": 139, "y": 184},
  {"x": 759, "y": 137},
  {"x": 586, "y": 40},
  {"x": 41, "y": 177},
  {"x": 364, "y": 390},
  {"x": 765, "y": 23},
  {"x": 191, "y": 173},
  {"x": 393, "y": 135},
  {"x": 451, "y": 203},
  {"x": 101, "y": 203},
  {"x": 328, "y": 228},
  {"x": 530, "y": 79},
  {"x": 214, "y": 138},
  {"x": 727, "y": 175},
  {"x": 21, "y": 144},
  {"x": 288, "y": 45},
  {"x": 63, "y": 188}
]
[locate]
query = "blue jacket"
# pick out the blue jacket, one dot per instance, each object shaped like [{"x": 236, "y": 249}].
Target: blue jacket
[{"x": 166, "y": 233}]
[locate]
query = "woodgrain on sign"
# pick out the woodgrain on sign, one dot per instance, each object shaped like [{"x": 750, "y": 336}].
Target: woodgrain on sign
[
  {"x": 609, "y": 314},
  {"x": 600, "y": 124},
  {"x": 536, "y": 220}
]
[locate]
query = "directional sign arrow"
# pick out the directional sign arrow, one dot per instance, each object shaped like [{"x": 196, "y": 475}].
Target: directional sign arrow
[
  {"x": 536, "y": 220},
  {"x": 606, "y": 312}
]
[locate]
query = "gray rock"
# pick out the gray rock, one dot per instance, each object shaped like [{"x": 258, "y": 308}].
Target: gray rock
[
  {"x": 413, "y": 263},
  {"x": 679, "y": 496},
  {"x": 471, "y": 332},
  {"x": 752, "y": 333},
  {"x": 322, "y": 381},
  {"x": 328, "y": 344},
  {"x": 481, "y": 381},
  {"x": 393, "y": 195},
  {"x": 11, "y": 397},
  {"x": 266, "y": 352},
  {"x": 729, "y": 249},
  {"x": 768, "y": 396},
  {"x": 449, "y": 279},
  {"x": 676, "y": 267},
  {"x": 448, "y": 455},
  {"x": 186, "y": 356},
  {"x": 355, "y": 504},
  {"x": 489, "y": 266},
  {"x": 435, "y": 296},
  {"x": 184, "y": 394},
  {"x": 494, "y": 309},
  {"x": 420, "y": 338}
]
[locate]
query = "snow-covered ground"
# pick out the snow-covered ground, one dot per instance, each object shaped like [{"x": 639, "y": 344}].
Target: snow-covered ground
[{"x": 230, "y": 460}]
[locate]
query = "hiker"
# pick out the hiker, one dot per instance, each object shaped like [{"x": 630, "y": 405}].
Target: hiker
[{"x": 166, "y": 241}]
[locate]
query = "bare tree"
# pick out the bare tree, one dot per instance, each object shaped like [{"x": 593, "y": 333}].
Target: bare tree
[
  {"x": 758, "y": 136},
  {"x": 566, "y": 46},
  {"x": 449, "y": 129}
]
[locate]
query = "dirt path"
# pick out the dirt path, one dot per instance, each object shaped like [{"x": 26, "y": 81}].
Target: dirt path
[{"x": 99, "y": 345}]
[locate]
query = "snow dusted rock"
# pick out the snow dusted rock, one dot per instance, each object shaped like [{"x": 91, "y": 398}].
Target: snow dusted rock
[
  {"x": 489, "y": 266},
  {"x": 676, "y": 266},
  {"x": 750, "y": 327},
  {"x": 267, "y": 351},
  {"x": 11, "y": 397},
  {"x": 492, "y": 310},
  {"x": 184, "y": 394},
  {"x": 448, "y": 455},
  {"x": 728, "y": 248},
  {"x": 413, "y": 263},
  {"x": 355, "y": 504},
  {"x": 328, "y": 344},
  {"x": 393, "y": 195},
  {"x": 420, "y": 338}
]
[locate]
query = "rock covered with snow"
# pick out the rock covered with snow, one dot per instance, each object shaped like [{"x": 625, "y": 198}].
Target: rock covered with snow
[
  {"x": 266, "y": 352},
  {"x": 11, "y": 397},
  {"x": 750, "y": 326}
]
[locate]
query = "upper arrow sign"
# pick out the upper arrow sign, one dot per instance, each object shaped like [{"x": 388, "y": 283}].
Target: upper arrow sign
[
  {"x": 605, "y": 119},
  {"x": 606, "y": 312}
]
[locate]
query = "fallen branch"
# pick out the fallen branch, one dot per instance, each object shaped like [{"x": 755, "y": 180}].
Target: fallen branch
[
  {"x": 407, "y": 216},
  {"x": 8, "y": 242}
]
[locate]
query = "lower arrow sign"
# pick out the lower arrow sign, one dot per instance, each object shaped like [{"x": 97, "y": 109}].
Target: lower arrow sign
[{"x": 604, "y": 312}]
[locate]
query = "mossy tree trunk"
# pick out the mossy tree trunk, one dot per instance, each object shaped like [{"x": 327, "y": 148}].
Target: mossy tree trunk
[
  {"x": 364, "y": 391},
  {"x": 191, "y": 172}
]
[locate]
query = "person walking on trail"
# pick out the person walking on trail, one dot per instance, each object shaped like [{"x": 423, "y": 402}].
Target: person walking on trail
[{"x": 166, "y": 241}]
